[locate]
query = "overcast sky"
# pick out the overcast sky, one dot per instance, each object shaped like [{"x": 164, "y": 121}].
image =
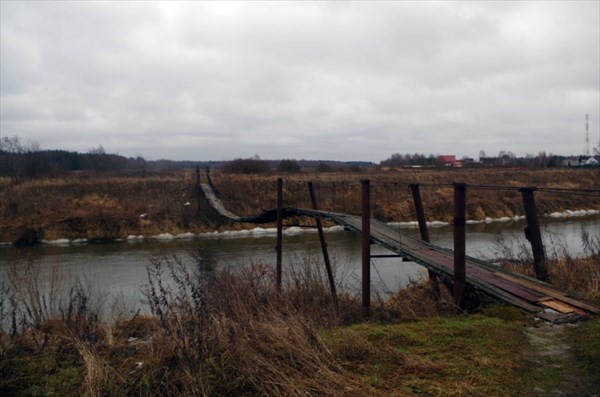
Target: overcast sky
[{"x": 311, "y": 80}]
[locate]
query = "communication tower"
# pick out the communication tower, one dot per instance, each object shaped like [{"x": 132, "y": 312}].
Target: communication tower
[{"x": 587, "y": 134}]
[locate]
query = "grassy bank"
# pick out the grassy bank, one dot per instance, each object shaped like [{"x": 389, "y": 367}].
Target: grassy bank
[
  {"x": 232, "y": 333},
  {"x": 100, "y": 208}
]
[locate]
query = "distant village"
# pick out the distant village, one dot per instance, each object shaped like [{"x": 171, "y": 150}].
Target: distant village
[{"x": 504, "y": 159}]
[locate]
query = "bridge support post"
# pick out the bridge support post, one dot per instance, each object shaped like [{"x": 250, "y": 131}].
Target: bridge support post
[
  {"x": 313, "y": 199},
  {"x": 366, "y": 247},
  {"x": 459, "y": 243},
  {"x": 424, "y": 231},
  {"x": 278, "y": 248},
  {"x": 533, "y": 234},
  {"x": 416, "y": 195}
]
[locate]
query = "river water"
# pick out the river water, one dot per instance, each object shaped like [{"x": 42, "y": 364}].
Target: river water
[{"x": 119, "y": 268}]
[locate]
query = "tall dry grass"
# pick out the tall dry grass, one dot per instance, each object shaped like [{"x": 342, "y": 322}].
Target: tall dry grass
[{"x": 204, "y": 333}]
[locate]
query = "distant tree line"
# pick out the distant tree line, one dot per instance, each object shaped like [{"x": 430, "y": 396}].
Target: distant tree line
[
  {"x": 256, "y": 165},
  {"x": 246, "y": 166},
  {"x": 541, "y": 160},
  {"x": 25, "y": 160},
  {"x": 408, "y": 159},
  {"x": 503, "y": 159},
  {"x": 20, "y": 160}
]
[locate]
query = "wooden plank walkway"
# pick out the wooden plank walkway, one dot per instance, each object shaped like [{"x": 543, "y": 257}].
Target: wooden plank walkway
[{"x": 542, "y": 299}]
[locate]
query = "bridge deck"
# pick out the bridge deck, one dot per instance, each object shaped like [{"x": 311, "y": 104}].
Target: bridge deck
[
  {"x": 524, "y": 292},
  {"x": 544, "y": 300}
]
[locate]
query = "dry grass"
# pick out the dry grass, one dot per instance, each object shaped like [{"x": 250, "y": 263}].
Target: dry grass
[
  {"x": 391, "y": 198},
  {"x": 227, "y": 333},
  {"x": 205, "y": 334},
  {"x": 109, "y": 208}
]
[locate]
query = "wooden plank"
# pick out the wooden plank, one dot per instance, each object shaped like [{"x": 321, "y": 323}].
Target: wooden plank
[
  {"x": 505, "y": 296},
  {"x": 550, "y": 292},
  {"x": 518, "y": 290},
  {"x": 561, "y": 306}
]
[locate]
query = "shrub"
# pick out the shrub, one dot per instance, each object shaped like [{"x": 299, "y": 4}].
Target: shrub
[
  {"x": 288, "y": 166},
  {"x": 246, "y": 166}
]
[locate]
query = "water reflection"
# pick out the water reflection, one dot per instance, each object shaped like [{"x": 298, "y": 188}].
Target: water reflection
[{"x": 120, "y": 268}]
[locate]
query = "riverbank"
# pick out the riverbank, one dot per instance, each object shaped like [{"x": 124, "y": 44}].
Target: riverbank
[
  {"x": 105, "y": 209},
  {"x": 258, "y": 231},
  {"x": 234, "y": 334}
]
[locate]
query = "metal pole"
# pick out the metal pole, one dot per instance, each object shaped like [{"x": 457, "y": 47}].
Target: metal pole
[
  {"x": 424, "y": 231},
  {"x": 313, "y": 199},
  {"x": 279, "y": 230},
  {"x": 533, "y": 234},
  {"x": 416, "y": 195},
  {"x": 366, "y": 247},
  {"x": 459, "y": 243}
]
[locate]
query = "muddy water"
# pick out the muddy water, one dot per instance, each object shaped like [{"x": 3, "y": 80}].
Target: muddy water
[{"x": 120, "y": 267}]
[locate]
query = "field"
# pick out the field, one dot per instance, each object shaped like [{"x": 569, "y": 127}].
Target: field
[{"x": 105, "y": 208}]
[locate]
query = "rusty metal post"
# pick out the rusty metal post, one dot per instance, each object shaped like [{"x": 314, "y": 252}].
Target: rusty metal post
[
  {"x": 533, "y": 234},
  {"x": 279, "y": 229},
  {"x": 459, "y": 243},
  {"x": 416, "y": 195},
  {"x": 366, "y": 247},
  {"x": 424, "y": 231},
  {"x": 313, "y": 199}
]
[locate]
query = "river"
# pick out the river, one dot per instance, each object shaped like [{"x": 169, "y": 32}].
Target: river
[{"x": 119, "y": 268}]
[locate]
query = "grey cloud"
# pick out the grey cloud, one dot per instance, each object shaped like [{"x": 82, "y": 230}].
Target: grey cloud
[{"x": 206, "y": 80}]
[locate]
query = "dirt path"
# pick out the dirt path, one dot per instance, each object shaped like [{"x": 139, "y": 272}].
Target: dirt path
[{"x": 554, "y": 365}]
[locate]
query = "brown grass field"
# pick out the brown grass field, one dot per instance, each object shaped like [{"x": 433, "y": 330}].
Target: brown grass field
[{"x": 105, "y": 208}]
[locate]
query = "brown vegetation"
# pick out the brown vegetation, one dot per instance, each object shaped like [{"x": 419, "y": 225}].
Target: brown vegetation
[
  {"x": 226, "y": 333},
  {"x": 579, "y": 275},
  {"x": 109, "y": 208}
]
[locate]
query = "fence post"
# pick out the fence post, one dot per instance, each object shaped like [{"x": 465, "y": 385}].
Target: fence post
[
  {"x": 533, "y": 234},
  {"x": 313, "y": 199},
  {"x": 366, "y": 247},
  {"x": 279, "y": 230},
  {"x": 459, "y": 243}
]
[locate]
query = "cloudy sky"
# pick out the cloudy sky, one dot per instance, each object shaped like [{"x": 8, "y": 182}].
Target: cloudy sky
[{"x": 312, "y": 80}]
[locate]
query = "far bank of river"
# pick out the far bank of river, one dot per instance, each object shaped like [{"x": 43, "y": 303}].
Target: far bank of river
[{"x": 119, "y": 268}]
